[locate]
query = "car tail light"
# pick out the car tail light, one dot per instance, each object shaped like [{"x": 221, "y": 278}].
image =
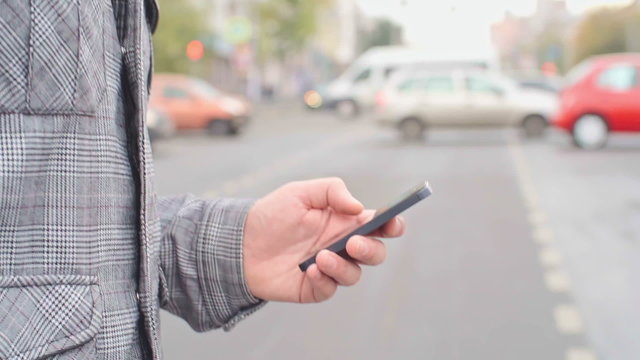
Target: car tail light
[{"x": 381, "y": 99}]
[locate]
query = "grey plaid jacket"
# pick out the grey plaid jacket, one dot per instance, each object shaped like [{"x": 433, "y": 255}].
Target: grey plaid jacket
[{"x": 87, "y": 253}]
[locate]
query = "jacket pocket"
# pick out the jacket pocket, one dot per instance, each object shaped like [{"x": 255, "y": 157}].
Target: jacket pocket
[
  {"x": 43, "y": 315},
  {"x": 52, "y": 59}
]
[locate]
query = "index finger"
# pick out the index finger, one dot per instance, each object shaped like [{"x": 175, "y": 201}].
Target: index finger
[{"x": 330, "y": 192}]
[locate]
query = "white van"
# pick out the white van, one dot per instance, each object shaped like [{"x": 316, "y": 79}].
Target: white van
[{"x": 354, "y": 91}]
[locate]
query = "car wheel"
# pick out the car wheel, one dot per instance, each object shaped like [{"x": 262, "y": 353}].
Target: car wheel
[
  {"x": 412, "y": 129},
  {"x": 219, "y": 127},
  {"x": 590, "y": 132},
  {"x": 234, "y": 130},
  {"x": 534, "y": 126},
  {"x": 347, "y": 109}
]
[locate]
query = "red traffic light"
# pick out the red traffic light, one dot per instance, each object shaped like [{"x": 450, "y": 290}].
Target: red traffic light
[{"x": 195, "y": 50}]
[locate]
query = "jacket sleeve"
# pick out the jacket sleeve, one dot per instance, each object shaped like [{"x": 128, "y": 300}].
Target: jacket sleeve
[{"x": 202, "y": 278}]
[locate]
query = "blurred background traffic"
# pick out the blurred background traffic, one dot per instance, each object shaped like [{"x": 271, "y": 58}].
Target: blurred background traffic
[{"x": 524, "y": 115}]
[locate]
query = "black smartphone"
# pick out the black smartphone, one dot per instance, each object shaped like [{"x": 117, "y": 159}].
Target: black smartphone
[{"x": 383, "y": 215}]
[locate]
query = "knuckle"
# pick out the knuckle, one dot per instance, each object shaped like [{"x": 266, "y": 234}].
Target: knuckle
[{"x": 336, "y": 181}]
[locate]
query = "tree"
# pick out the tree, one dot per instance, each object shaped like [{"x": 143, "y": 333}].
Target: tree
[
  {"x": 284, "y": 26},
  {"x": 384, "y": 33},
  {"x": 605, "y": 31},
  {"x": 180, "y": 22}
]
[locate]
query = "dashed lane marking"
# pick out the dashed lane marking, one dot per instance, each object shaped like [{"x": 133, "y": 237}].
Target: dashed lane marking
[
  {"x": 580, "y": 354},
  {"x": 537, "y": 218},
  {"x": 568, "y": 319},
  {"x": 550, "y": 257},
  {"x": 543, "y": 235},
  {"x": 557, "y": 281}
]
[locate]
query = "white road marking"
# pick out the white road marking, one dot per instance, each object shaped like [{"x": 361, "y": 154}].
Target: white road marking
[
  {"x": 531, "y": 200},
  {"x": 543, "y": 235},
  {"x": 568, "y": 319},
  {"x": 537, "y": 218},
  {"x": 550, "y": 257},
  {"x": 580, "y": 354},
  {"x": 557, "y": 281}
]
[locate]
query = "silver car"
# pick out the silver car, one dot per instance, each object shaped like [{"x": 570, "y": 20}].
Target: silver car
[{"x": 413, "y": 102}]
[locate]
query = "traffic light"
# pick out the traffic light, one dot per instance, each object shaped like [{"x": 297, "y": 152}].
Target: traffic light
[{"x": 195, "y": 50}]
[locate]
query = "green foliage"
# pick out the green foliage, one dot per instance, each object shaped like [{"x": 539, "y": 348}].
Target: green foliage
[
  {"x": 284, "y": 26},
  {"x": 180, "y": 22},
  {"x": 384, "y": 33},
  {"x": 606, "y": 31}
]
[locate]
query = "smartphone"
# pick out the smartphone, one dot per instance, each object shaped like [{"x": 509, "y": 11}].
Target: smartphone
[{"x": 381, "y": 217}]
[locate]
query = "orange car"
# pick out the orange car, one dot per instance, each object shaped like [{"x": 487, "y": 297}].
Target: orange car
[{"x": 194, "y": 104}]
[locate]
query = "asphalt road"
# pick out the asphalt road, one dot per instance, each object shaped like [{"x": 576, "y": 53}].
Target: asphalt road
[{"x": 526, "y": 250}]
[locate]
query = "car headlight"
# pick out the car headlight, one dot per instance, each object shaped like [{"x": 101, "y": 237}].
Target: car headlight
[
  {"x": 313, "y": 99},
  {"x": 232, "y": 106}
]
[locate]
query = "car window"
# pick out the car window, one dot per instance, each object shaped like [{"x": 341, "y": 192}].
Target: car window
[
  {"x": 619, "y": 77},
  {"x": 174, "y": 93},
  {"x": 408, "y": 85},
  {"x": 431, "y": 84},
  {"x": 476, "y": 84},
  {"x": 204, "y": 90},
  {"x": 438, "y": 84},
  {"x": 363, "y": 76}
]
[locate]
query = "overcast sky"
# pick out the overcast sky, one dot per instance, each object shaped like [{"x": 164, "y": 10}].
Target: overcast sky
[{"x": 458, "y": 27}]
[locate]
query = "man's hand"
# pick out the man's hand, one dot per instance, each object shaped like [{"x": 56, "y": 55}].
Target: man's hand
[{"x": 294, "y": 222}]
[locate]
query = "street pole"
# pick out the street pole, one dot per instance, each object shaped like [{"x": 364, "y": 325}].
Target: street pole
[{"x": 632, "y": 29}]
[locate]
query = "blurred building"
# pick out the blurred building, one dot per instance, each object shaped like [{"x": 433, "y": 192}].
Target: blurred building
[
  {"x": 337, "y": 42},
  {"x": 341, "y": 27},
  {"x": 508, "y": 37},
  {"x": 331, "y": 49},
  {"x": 526, "y": 43},
  {"x": 337, "y": 33},
  {"x": 229, "y": 37}
]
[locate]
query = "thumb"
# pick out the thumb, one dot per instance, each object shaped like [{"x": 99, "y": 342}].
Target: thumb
[{"x": 333, "y": 193}]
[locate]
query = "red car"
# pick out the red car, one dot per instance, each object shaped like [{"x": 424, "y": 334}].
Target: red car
[
  {"x": 194, "y": 104},
  {"x": 603, "y": 96}
]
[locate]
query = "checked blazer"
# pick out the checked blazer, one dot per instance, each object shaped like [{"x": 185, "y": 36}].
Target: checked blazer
[{"x": 88, "y": 253}]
